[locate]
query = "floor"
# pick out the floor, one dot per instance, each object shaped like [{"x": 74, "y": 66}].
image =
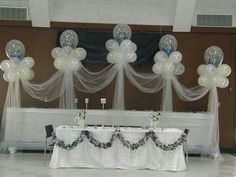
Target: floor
[{"x": 33, "y": 165}]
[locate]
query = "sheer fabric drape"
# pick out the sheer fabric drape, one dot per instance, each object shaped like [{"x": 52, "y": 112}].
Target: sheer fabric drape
[{"x": 62, "y": 85}]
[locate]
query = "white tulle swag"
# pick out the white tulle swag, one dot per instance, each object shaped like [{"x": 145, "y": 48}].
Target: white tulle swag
[{"x": 73, "y": 75}]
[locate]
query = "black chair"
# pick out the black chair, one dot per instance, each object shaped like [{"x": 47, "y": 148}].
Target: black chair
[
  {"x": 49, "y": 135},
  {"x": 185, "y": 145}
]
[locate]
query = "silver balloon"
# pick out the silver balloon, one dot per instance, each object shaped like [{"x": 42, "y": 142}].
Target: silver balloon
[
  {"x": 122, "y": 32},
  {"x": 214, "y": 55},
  {"x": 69, "y": 38},
  {"x": 15, "y": 49},
  {"x": 168, "y": 44}
]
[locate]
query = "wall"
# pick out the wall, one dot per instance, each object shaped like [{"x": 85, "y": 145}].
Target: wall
[
  {"x": 113, "y": 11},
  {"x": 40, "y": 41}
]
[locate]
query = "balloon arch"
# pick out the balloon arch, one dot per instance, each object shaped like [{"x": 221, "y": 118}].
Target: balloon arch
[{"x": 73, "y": 75}]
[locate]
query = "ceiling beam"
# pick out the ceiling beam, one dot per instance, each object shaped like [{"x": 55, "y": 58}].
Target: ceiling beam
[
  {"x": 184, "y": 15},
  {"x": 39, "y": 13}
]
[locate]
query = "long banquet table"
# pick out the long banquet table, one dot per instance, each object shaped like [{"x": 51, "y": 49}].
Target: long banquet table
[
  {"x": 30, "y": 124},
  {"x": 147, "y": 156}
]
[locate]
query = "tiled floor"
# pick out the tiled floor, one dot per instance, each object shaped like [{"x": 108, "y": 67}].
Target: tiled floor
[{"x": 33, "y": 165}]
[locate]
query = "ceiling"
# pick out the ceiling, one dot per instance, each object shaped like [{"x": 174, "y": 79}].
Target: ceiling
[{"x": 181, "y": 14}]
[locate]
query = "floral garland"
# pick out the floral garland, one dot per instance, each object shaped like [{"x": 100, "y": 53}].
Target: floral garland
[{"x": 126, "y": 143}]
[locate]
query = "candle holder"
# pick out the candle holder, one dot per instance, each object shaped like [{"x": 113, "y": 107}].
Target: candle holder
[
  {"x": 86, "y": 101},
  {"x": 103, "y": 102}
]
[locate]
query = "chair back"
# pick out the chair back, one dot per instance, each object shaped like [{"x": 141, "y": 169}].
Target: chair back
[
  {"x": 49, "y": 130},
  {"x": 186, "y": 131}
]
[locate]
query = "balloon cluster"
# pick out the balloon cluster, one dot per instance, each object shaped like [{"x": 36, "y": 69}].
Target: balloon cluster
[
  {"x": 68, "y": 57},
  {"x": 121, "y": 48},
  {"x": 213, "y": 73},
  {"x": 17, "y": 66},
  {"x": 168, "y": 60}
]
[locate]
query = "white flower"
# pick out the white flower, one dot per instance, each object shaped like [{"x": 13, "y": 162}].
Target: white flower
[
  {"x": 80, "y": 115},
  {"x": 155, "y": 116}
]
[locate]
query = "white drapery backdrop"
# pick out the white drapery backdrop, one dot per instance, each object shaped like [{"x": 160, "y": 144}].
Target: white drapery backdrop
[{"x": 62, "y": 85}]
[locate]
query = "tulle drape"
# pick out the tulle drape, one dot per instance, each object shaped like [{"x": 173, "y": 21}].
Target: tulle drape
[
  {"x": 48, "y": 90},
  {"x": 213, "y": 105},
  {"x": 91, "y": 82},
  {"x": 62, "y": 85},
  {"x": 13, "y": 100}
]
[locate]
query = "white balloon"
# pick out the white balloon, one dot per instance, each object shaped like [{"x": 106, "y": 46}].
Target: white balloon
[
  {"x": 168, "y": 67},
  {"x": 27, "y": 62},
  {"x": 224, "y": 70},
  {"x": 67, "y": 49},
  {"x": 175, "y": 57},
  {"x": 15, "y": 60},
  {"x": 112, "y": 57},
  {"x": 201, "y": 69},
  {"x": 5, "y": 77},
  {"x": 56, "y": 52},
  {"x": 74, "y": 64},
  {"x": 179, "y": 69},
  {"x": 112, "y": 44},
  {"x": 157, "y": 68},
  {"x": 7, "y": 65},
  {"x": 60, "y": 63},
  {"x": 221, "y": 81},
  {"x": 24, "y": 73},
  {"x": 210, "y": 69},
  {"x": 160, "y": 56},
  {"x": 131, "y": 56},
  {"x": 225, "y": 83},
  {"x": 205, "y": 80},
  {"x": 134, "y": 47},
  {"x": 11, "y": 76},
  {"x": 31, "y": 74},
  {"x": 127, "y": 44},
  {"x": 79, "y": 53}
]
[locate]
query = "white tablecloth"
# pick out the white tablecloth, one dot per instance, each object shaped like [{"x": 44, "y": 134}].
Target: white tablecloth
[{"x": 118, "y": 156}]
